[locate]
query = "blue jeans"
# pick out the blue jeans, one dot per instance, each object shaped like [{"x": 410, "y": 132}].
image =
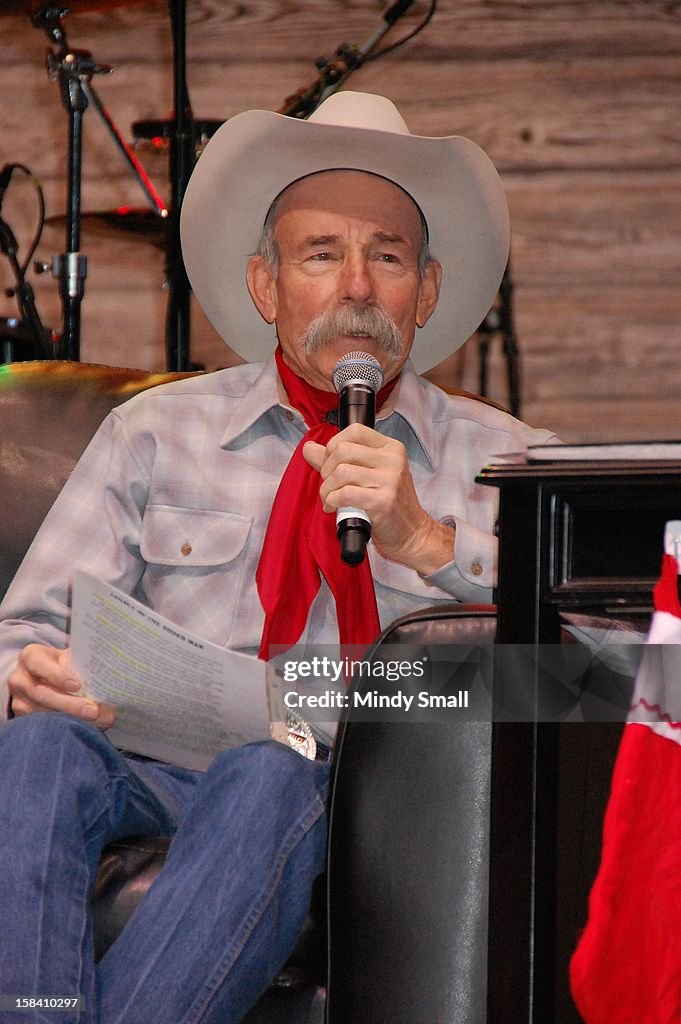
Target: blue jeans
[{"x": 220, "y": 919}]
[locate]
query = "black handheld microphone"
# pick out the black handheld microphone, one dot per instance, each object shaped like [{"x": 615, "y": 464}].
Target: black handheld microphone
[{"x": 356, "y": 377}]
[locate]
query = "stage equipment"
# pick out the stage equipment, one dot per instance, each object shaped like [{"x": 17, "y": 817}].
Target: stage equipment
[
  {"x": 24, "y": 338},
  {"x": 499, "y": 322},
  {"x": 183, "y": 138},
  {"x": 74, "y": 69},
  {"x": 156, "y": 136},
  {"x": 347, "y": 58},
  {"x": 126, "y": 222}
]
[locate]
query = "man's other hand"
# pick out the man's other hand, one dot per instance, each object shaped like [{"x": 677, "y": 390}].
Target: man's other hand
[{"x": 42, "y": 681}]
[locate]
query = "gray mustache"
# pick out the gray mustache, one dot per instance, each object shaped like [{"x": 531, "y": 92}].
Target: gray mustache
[{"x": 358, "y": 319}]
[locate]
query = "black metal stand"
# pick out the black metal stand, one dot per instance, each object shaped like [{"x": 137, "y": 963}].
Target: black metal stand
[
  {"x": 31, "y": 323},
  {"x": 71, "y": 68},
  {"x": 182, "y": 157},
  {"x": 499, "y": 320},
  {"x": 333, "y": 73},
  {"x": 74, "y": 69}
]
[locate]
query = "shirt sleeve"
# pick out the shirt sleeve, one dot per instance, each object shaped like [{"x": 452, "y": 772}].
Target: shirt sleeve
[
  {"x": 93, "y": 524},
  {"x": 471, "y": 575}
]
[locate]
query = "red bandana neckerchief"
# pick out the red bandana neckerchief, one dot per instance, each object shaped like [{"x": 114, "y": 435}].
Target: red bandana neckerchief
[{"x": 300, "y": 542}]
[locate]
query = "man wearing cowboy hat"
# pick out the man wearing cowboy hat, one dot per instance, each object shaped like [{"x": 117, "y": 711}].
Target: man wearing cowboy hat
[{"x": 212, "y": 500}]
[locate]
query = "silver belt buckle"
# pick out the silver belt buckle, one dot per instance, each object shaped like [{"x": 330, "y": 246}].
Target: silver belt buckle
[{"x": 299, "y": 735}]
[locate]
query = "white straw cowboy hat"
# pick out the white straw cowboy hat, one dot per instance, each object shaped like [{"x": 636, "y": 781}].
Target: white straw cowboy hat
[{"x": 257, "y": 154}]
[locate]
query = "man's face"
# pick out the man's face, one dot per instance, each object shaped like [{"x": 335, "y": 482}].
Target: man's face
[{"x": 349, "y": 243}]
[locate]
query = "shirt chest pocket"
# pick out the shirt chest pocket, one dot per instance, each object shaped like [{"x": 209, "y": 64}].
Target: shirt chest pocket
[{"x": 194, "y": 566}]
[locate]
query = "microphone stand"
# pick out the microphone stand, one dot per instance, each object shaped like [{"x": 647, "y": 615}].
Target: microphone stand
[
  {"x": 332, "y": 74},
  {"x": 74, "y": 70}
]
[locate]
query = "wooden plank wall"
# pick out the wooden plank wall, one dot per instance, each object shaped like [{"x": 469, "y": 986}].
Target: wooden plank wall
[{"x": 577, "y": 101}]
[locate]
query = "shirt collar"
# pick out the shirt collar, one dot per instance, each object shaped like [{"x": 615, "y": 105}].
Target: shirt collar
[
  {"x": 415, "y": 411},
  {"x": 262, "y": 395},
  {"x": 411, "y": 406}
]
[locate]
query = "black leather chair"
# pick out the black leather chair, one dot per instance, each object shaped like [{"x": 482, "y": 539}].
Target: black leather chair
[{"x": 410, "y": 816}]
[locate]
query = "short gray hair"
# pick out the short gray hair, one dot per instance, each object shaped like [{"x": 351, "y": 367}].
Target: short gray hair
[{"x": 268, "y": 247}]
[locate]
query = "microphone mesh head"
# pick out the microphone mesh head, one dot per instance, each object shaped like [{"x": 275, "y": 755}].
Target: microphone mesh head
[{"x": 357, "y": 368}]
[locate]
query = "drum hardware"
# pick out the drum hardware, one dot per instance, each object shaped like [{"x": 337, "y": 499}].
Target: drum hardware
[
  {"x": 183, "y": 137},
  {"x": 18, "y": 343},
  {"x": 25, "y": 338},
  {"x": 499, "y": 320},
  {"x": 157, "y": 134},
  {"x": 126, "y": 222},
  {"x": 73, "y": 70}
]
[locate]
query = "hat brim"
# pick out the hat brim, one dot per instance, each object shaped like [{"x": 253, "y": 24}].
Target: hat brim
[{"x": 256, "y": 154}]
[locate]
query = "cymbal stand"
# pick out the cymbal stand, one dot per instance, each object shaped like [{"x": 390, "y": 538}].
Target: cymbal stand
[
  {"x": 74, "y": 69},
  {"x": 500, "y": 320}
]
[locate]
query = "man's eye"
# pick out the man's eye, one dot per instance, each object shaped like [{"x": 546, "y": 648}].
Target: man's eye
[
  {"x": 388, "y": 257},
  {"x": 321, "y": 256}
]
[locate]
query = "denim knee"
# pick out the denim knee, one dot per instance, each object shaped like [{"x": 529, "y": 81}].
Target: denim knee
[
  {"x": 279, "y": 767},
  {"x": 57, "y": 768},
  {"x": 51, "y": 730},
  {"x": 49, "y": 748},
  {"x": 261, "y": 783}
]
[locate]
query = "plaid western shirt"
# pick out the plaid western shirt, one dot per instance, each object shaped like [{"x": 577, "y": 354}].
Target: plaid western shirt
[{"x": 171, "y": 500}]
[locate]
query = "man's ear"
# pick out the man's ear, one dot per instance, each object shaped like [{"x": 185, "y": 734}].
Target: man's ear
[
  {"x": 428, "y": 292},
  {"x": 261, "y": 285}
]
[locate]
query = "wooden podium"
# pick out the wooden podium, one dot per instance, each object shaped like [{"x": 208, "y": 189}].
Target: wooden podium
[{"x": 576, "y": 537}]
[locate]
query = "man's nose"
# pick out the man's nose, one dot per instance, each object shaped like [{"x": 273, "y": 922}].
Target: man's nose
[{"x": 356, "y": 284}]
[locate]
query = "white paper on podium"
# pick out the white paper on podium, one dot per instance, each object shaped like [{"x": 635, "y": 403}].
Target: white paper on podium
[{"x": 177, "y": 697}]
